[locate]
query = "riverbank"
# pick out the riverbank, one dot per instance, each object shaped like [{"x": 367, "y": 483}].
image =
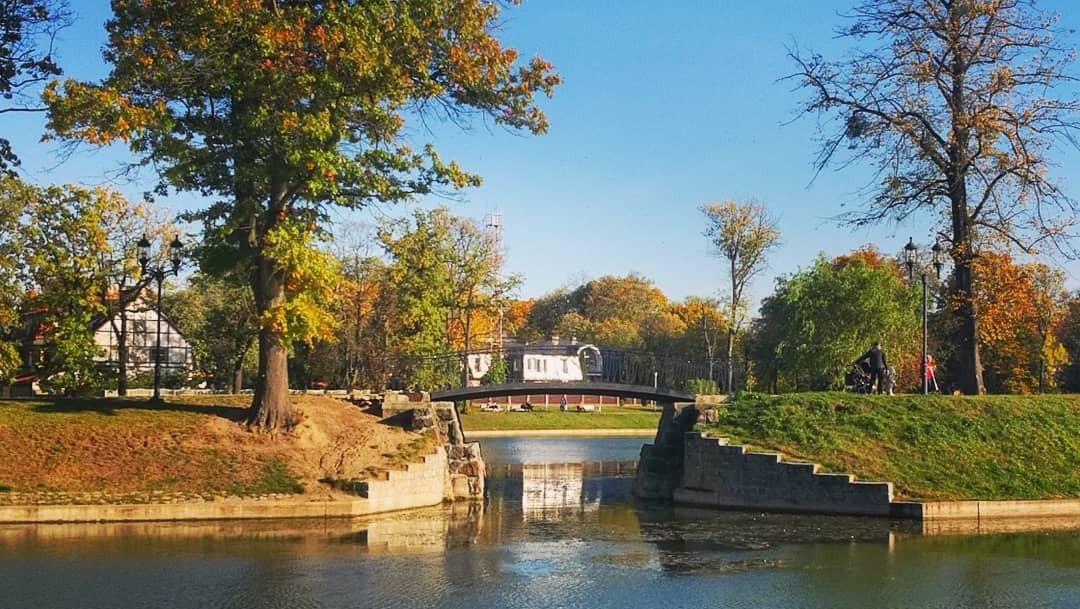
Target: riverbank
[
  {"x": 929, "y": 447},
  {"x": 561, "y": 433},
  {"x": 193, "y": 451},
  {"x": 610, "y": 418}
]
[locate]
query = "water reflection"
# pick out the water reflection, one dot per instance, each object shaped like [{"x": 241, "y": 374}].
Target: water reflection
[{"x": 549, "y": 534}]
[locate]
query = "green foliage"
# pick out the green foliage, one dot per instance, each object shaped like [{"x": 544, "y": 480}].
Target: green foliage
[
  {"x": 9, "y": 361},
  {"x": 444, "y": 275},
  {"x": 628, "y": 312},
  {"x": 275, "y": 477},
  {"x": 821, "y": 319},
  {"x": 62, "y": 251},
  {"x": 498, "y": 373},
  {"x": 702, "y": 386},
  {"x": 929, "y": 447},
  {"x": 946, "y": 101},
  {"x": 27, "y": 28},
  {"x": 217, "y": 316},
  {"x": 279, "y": 111}
]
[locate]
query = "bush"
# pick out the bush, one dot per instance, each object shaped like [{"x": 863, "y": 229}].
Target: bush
[{"x": 702, "y": 386}]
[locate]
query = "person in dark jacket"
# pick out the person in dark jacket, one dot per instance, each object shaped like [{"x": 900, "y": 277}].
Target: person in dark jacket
[{"x": 878, "y": 363}]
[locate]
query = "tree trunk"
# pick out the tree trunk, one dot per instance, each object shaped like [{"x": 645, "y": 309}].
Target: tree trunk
[
  {"x": 238, "y": 376},
  {"x": 468, "y": 344},
  {"x": 969, "y": 377},
  {"x": 122, "y": 354},
  {"x": 730, "y": 360},
  {"x": 270, "y": 408},
  {"x": 968, "y": 367}
]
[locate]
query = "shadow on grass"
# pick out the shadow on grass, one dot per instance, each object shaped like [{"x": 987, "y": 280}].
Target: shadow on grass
[{"x": 110, "y": 407}]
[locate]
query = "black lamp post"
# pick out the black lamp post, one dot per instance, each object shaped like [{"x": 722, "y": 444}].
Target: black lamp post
[
  {"x": 158, "y": 272},
  {"x": 911, "y": 260}
]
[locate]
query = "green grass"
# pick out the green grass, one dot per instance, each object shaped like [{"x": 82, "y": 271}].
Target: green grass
[
  {"x": 929, "y": 447},
  {"x": 611, "y": 417},
  {"x": 275, "y": 478}
]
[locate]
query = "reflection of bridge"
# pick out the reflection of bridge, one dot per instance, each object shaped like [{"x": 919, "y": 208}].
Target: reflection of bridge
[{"x": 657, "y": 394}]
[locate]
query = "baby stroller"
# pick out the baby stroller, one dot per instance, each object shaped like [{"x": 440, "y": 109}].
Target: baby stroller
[{"x": 858, "y": 379}]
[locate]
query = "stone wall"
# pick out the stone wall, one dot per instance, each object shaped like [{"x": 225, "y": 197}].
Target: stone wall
[
  {"x": 660, "y": 464},
  {"x": 465, "y": 468},
  {"x": 420, "y": 484},
  {"x": 715, "y": 474}
]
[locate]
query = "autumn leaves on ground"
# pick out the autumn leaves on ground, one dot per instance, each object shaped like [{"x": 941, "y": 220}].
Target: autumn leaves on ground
[{"x": 125, "y": 450}]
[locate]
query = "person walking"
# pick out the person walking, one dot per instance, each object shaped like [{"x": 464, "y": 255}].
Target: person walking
[
  {"x": 879, "y": 365},
  {"x": 930, "y": 378}
]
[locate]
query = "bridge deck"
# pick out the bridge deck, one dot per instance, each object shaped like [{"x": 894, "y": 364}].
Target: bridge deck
[{"x": 640, "y": 392}]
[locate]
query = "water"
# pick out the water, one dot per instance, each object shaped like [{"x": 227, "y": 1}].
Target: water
[{"x": 553, "y": 533}]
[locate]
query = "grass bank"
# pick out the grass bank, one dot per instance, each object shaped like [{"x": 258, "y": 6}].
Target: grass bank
[
  {"x": 94, "y": 450},
  {"x": 611, "y": 417},
  {"x": 929, "y": 447}
]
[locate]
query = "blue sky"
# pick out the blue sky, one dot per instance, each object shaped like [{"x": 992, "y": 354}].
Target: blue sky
[{"x": 665, "y": 106}]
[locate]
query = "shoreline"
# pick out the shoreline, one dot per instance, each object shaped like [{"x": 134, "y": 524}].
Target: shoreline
[{"x": 554, "y": 433}]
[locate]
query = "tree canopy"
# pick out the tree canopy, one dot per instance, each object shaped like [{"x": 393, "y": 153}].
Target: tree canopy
[
  {"x": 953, "y": 102},
  {"x": 279, "y": 109},
  {"x": 27, "y": 31},
  {"x": 741, "y": 234},
  {"x": 822, "y": 318}
]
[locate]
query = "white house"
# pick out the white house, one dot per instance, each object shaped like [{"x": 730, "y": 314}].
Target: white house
[{"x": 139, "y": 323}]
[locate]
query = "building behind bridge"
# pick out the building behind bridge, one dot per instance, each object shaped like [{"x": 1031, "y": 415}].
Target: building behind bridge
[{"x": 550, "y": 361}]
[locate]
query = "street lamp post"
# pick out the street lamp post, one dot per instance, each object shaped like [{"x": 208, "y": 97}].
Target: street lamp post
[
  {"x": 158, "y": 272},
  {"x": 911, "y": 260}
]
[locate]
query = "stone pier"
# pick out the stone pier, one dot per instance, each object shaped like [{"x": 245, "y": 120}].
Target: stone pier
[{"x": 465, "y": 468}]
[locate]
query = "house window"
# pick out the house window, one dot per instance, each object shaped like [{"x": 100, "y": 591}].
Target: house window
[
  {"x": 159, "y": 354},
  {"x": 565, "y": 367}
]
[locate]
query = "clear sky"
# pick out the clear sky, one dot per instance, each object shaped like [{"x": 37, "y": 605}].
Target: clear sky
[{"x": 665, "y": 106}]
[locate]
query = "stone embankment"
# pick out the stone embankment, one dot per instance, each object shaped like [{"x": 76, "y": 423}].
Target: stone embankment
[
  {"x": 690, "y": 468},
  {"x": 718, "y": 475},
  {"x": 453, "y": 472},
  {"x": 465, "y": 468}
]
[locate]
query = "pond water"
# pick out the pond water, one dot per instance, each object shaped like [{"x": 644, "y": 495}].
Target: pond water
[{"x": 559, "y": 529}]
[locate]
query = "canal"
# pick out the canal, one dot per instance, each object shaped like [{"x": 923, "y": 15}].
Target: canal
[{"x": 559, "y": 529}]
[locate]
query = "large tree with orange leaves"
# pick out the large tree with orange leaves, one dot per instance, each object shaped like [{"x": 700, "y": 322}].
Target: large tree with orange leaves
[
  {"x": 281, "y": 108},
  {"x": 1017, "y": 320},
  {"x": 953, "y": 101}
]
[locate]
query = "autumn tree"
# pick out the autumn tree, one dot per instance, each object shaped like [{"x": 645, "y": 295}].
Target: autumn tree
[
  {"x": 281, "y": 109},
  {"x": 741, "y": 234},
  {"x": 28, "y": 31},
  {"x": 1016, "y": 321},
  {"x": 1067, "y": 333},
  {"x": 952, "y": 102},
  {"x": 362, "y": 312},
  {"x": 62, "y": 245},
  {"x": 627, "y": 312},
  {"x": 703, "y": 326}
]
